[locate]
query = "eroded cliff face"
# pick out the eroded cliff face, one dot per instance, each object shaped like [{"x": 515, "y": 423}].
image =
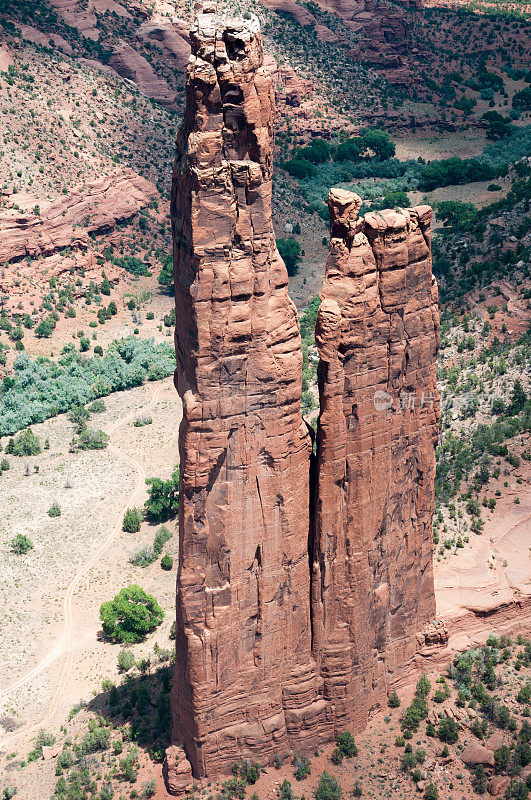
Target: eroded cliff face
[
  {"x": 377, "y": 336},
  {"x": 246, "y": 683},
  {"x": 293, "y": 619}
]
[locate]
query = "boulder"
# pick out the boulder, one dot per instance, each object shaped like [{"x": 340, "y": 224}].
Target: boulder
[{"x": 475, "y": 753}]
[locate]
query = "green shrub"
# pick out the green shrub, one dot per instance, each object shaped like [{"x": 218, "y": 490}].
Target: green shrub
[
  {"x": 166, "y": 562},
  {"x": 55, "y": 510},
  {"x": 143, "y": 557},
  {"x": 97, "y": 406},
  {"x": 479, "y": 779},
  {"x": 448, "y": 730},
  {"x": 347, "y": 745},
  {"x": 21, "y": 544},
  {"x": 126, "y": 660},
  {"x": 328, "y": 788},
  {"x": 131, "y": 615},
  {"x": 285, "y": 791},
  {"x": 423, "y": 687},
  {"x": 90, "y": 439},
  {"x": 414, "y": 714},
  {"x": 337, "y": 756},
  {"x": 301, "y": 767},
  {"x": 25, "y": 444},
  {"x": 132, "y": 520},
  {"x": 431, "y": 792},
  {"x": 162, "y": 536}
]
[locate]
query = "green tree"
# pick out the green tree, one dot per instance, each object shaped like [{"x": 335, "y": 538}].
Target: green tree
[
  {"x": 290, "y": 253},
  {"x": 393, "y": 701},
  {"x": 163, "y": 501},
  {"x": 131, "y": 615},
  {"x": 423, "y": 687},
  {"x": 379, "y": 143}
]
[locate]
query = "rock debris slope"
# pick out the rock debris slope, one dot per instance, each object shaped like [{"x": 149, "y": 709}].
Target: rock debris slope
[{"x": 291, "y": 619}]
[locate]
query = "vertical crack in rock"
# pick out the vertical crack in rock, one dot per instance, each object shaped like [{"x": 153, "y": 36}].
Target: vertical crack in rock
[
  {"x": 377, "y": 336},
  {"x": 246, "y": 683}
]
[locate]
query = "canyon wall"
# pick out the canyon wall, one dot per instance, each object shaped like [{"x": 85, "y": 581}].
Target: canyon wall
[
  {"x": 300, "y": 591},
  {"x": 246, "y": 683},
  {"x": 377, "y": 336}
]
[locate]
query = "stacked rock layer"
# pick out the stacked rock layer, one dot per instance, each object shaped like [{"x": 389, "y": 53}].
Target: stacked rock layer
[
  {"x": 245, "y": 682},
  {"x": 299, "y": 592},
  {"x": 377, "y": 336}
]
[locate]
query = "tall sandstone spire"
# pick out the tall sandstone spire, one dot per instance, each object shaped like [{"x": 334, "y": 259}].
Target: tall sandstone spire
[
  {"x": 377, "y": 336},
  {"x": 299, "y": 592},
  {"x": 245, "y": 680}
]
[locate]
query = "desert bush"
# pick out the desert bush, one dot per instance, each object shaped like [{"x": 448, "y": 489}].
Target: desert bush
[
  {"x": 431, "y": 792},
  {"x": 285, "y": 791},
  {"x": 162, "y": 536},
  {"x": 126, "y": 660},
  {"x": 91, "y": 439},
  {"x": 131, "y": 615},
  {"x": 143, "y": 420},
  {"x": 97, "y": 407},
  {"x": 393, "y": 701},
  {"x": 143, "y": 557},
  {"x": 301, "y": 767},
  {"x": 448, "y": 730},
  {"x": 328, "y": 787},
  {"x": 21, "y": 544},
  {"x": 25, "y": 444},
  {"x": 346, "y": 744},
  {"x": 132, "y": 520},
  {"x": 423, "y": 687},
  {"x": 166, "y": 562},
  {"x": 54, "y": 510}
]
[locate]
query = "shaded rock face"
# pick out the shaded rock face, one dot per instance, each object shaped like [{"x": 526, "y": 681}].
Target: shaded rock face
[
  {"x": 377, "y": 336},
  {"x": 291, "y": 618},
  {"x": 245, "y": 681}
]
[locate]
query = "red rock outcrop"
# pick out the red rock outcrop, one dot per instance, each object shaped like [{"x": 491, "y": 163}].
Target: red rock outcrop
[
  {"x": 377, "y": 336},
  {"x": 68, "y": 221},
  {"x": 246, "y": 684},
  {"x": 287, "y": 632},
  {"x": 128, "y": 63}
]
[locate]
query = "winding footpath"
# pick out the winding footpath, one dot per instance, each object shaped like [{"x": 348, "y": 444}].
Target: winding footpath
[{"x": 64, "y": 645}]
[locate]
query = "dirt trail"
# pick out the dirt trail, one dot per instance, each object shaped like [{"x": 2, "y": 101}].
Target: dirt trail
[{"x": 64, "y": 645}]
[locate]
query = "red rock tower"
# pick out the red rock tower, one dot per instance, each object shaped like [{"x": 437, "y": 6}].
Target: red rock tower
[
  {"x": 377, "y": 336},
  {"x": 292, "y": 622},
  {"x": 246, "y": 684}
]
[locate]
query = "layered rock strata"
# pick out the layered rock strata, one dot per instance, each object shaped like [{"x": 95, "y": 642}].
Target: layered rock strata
[
  {"x": 245, "y": 682},
  {"x": 292, "y": 618},
  {"x": 377, "y": 336}
]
